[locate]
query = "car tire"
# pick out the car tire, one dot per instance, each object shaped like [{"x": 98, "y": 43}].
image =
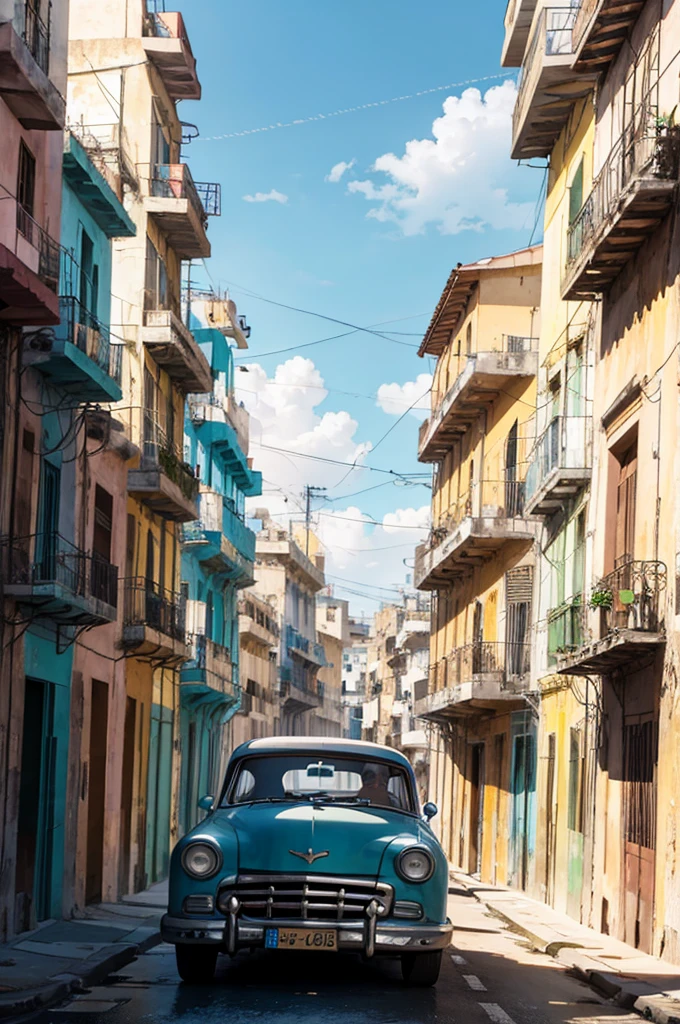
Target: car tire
[
  {"x": 196, "y": 964},
  {"x": 421, "y": 970}
]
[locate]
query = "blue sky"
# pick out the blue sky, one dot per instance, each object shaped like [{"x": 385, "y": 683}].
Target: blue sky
[{"x": 272, "y": 61}]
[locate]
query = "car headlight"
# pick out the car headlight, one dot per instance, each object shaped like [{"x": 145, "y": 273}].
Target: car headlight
[
  {"x": 416, "y": 864},
  {"x": 201, "y": 860}
]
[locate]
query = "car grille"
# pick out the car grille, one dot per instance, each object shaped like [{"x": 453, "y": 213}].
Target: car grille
[{"x": 306, "y": 898}]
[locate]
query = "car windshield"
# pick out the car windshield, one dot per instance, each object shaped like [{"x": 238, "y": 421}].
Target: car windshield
[{"x": 322, "y": 779}]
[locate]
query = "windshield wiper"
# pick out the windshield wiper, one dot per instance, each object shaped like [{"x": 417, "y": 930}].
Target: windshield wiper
[{"x": 357, "y": 800}]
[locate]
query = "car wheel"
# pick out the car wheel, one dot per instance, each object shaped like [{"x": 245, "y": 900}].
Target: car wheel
[
  {"x": 421, "y": 970},
  {"x": 196, "y": 964}
]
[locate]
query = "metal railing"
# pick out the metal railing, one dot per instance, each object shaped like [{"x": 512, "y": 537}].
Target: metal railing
[
  {"x": 206, "y": 652},
  {"x": 565, "y": 444},
  {"x": 298, "y": 677},
  {"x": 49, "y": 250},
  {"x": 295, "y": 641},
  {"x": 630, "y": 596},
  {"x": 487, "y": 499},
  {"x": 45, "y": 559},
  {"x": 146, "y": 603},
  {"x": 552, "y": 37},
  {"x": 90, "y": 335},
  {"x": 36, "y": 33},
  {"x": 509, "y": 345},
  {"x": 145, "y": 430},
  {"x": 174, "y": 181},
  {"x": 509, "y": 659},
  {"x": 644, "y": 148},
  {"x": 583, "y": 18}
]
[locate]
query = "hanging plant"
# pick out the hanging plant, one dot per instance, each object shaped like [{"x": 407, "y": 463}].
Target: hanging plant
[{"x": 601, "y": 597}]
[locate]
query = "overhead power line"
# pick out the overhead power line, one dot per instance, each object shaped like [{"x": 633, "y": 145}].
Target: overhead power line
[{"x": 353, "y": 110}]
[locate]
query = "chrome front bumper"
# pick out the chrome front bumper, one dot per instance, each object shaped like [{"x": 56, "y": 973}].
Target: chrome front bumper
[{"x": 373, "y": 937}]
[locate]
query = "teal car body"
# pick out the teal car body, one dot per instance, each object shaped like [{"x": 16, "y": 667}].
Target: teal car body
[{"x": 311, "y": 864}]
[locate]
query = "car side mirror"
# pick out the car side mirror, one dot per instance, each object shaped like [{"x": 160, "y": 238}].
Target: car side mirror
[
  {"x": 206, "y": 803},
  {"x": 429, "y": 810}
]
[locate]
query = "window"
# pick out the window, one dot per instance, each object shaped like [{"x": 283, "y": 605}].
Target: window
[
  {"x": 103, "y": 519},
  {"x": 330, "y": 614},
  {"x": 89, "y": 274},
  {"x": 625, "y": 507},
  {"x": 26, "y": 192},
  {"x": 576, "y": 193},
  {"x": 468, "y": 340},
  {"x": 156, "y": 279}
]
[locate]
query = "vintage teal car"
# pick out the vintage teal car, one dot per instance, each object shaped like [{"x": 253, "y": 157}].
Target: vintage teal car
[{"x": 313, "y": 845}]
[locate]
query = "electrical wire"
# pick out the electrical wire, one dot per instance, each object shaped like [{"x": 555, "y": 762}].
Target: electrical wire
[{"x": 339, "y": 462}]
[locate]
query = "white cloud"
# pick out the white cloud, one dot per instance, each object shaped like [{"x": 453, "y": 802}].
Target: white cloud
[
  {"x": 338, "y": 170},
  {"x": 284, "y": 415},
  {"x": 273, "y": 196},
  {"x": 413, "y": 396},
  {"x": 459, "y": 180}
]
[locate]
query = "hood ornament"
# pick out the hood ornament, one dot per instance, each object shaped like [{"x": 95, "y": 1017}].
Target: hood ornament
[{"x": 310, "y": 856}]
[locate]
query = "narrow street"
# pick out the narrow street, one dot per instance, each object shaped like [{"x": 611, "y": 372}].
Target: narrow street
[{"x": 488, "y": 975}]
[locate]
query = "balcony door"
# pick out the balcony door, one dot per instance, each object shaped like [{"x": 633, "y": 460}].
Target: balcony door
[
  {"x": 626, "y": 508},
  {"x": 513, "y": 502},
  {"x": 50, "y": 487},
  {"x": 640, "y": 740}
]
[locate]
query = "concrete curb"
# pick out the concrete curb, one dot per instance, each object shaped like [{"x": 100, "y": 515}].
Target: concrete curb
[
  {"x": 628, "y": 993},
  {"x": 90, "y": 972}
]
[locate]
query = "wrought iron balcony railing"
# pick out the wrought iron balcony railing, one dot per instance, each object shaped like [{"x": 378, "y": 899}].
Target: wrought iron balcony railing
[
  {"x": 206, "y": 652},
  {"x": 630, "y": 597},
  {"x": 90, "y": 335},
  {"x": 36, "y": 33},
  {"x": 49, "y": 250},
  {"x": 645, "y": 149},
  {"x": 174, "y": 181},
  {"x": 565, "y": 444},
  {"x": 148, "y": 604},
  {"x": 295, "y": 641},
  {"x": 158, "y": 450},
  {"x": 47, "y": 559}
]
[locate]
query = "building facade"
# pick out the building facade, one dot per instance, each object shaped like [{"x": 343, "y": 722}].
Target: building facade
[
  {"x": 129, "y": 65},
  {"x": 479, "y": 564},
  {"x": 218, "y": 558},
  {"x": 354, "y": 668},
  {"x": 259, "y": 636},
  {"x": 290, "y": 580},
  {"x": 332, "y": 631}
]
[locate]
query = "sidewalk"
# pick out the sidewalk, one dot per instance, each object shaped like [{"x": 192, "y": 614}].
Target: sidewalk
[
  {"x": 43, "y": 967},
  {"x": 631, "y": 979}
]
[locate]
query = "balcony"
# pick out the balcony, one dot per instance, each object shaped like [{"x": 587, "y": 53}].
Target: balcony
[
  {"x": 487, "y": 519},
  {"x": 163, "y": 481},
  {"x": 207, "y": 678},
  {"x": 305, "y": 649},
  {"x": 221, "y": 540},
  {"x": 519, "y": 15},
  {"x": 256, "y": 625},
  {"x": 173, "y": 346},
  {"x": 631, "y": 195},
  {"x": 477, "y": 677},
  {"x": 561, "y": 466},
  {"x": 549, "y": 86},
  {"x": 219, "y": 424},
  {"x": 622, "y": 627},
  {"x": 108, "y": 148},
  {"x": 600, "y": 30},
  {"x": 484, "y": 375},
  {"x": 299, "y": 689},
  {"x": 77, "y": 356},
  {"x": 25, "y": 85},
  {"x": 29, "y": 269},
  {"x": 153, "y": 620},
  {"x": 276, "y": 545},
  {"x": 88, "y": 174},
  {"x": 167, "y": 46},
  {"x": 220, "y": 405},
  {"x": 180, "y": 207},
  {"x": 52, "y": 578}
]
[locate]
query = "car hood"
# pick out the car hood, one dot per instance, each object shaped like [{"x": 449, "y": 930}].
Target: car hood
[{"x": 352, "y": 840}]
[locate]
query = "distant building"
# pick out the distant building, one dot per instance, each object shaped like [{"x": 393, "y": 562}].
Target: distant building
[
  {"x": 332, "y": 627},
  {"x": 354, "y": 663}
]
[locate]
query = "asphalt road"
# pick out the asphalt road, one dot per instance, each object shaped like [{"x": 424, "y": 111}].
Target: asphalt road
[{"x": 488, "y": 976}]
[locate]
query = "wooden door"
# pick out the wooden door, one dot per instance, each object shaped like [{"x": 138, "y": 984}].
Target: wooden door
[
  {"x": 550, "y": 820},
  {"x": 96, "y": 794},
  {"x": 639, "y": 828},
  {"x": 625, "y": 508},
  {"x": 476, "y": 821}
]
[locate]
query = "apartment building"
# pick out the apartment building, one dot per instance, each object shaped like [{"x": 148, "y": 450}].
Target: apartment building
[
  {"x": 259, "y": 635},
  {"x": 129, "y": 64},
  {"x": 479, "y": 563},
  {"x": 598, "y": 94},
  {"x": 332, "y": 632},
  {"x": 290, "y": 580},
  {"x": 354, "y": 667},
  {"x": 218, "y": 556}
]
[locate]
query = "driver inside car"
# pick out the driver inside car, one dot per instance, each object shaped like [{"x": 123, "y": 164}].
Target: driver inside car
[{"x": 375, "y": 778}]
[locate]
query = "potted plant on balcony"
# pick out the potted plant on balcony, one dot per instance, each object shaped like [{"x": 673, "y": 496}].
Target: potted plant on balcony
[{"x": 667, "y": 145}]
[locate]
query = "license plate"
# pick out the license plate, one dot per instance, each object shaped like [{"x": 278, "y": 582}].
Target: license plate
[{"x": 324, "y": 941}]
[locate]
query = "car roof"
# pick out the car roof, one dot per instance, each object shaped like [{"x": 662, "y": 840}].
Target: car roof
[{"x": 336, "y": 745}]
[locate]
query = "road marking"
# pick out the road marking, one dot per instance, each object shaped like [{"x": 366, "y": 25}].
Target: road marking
[
  {"x": 459, "y": 960},
  {"x": 496, "y": 1013},
  {"x": 474, "y": 983}
]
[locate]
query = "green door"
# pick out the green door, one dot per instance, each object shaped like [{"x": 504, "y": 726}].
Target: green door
[{"x": 159, "y": 795}]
